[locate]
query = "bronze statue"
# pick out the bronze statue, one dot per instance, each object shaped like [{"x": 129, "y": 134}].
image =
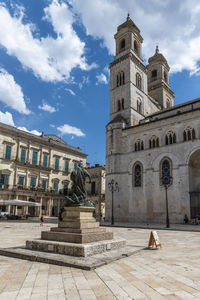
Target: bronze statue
[{"x": 78, "y": 195}]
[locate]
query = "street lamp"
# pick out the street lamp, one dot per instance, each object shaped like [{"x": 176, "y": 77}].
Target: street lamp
[
  {"x": 113, "y": 187},
  {"x": 166, "y": 182}
]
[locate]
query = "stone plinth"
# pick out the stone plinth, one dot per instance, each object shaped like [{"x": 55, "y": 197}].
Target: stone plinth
[{"x": 78, "y": 234}]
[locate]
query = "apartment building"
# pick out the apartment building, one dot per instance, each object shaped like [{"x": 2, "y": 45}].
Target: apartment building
[{"x": 36, "y": 168}]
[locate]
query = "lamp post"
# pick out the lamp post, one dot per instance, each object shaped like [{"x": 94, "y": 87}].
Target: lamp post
[
  {"x": 167, "y": 181},
  {"x": 113, "y": 187}
]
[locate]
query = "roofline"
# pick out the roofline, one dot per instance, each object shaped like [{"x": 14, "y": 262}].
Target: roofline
[
  {"x": 167, "y": 117},
  {"x": 40, "y": 140}
]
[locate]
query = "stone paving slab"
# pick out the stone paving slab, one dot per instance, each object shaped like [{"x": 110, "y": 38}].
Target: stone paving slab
[{"x": 85, "y": 263}]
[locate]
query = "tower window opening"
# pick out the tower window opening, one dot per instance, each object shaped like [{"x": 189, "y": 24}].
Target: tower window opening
[
  {"x": 122, "y": 103},
  {"x": 136, "y": 47},
  {"x": 122, "y": 44},
  {"x": 139, "y": 106},
  {"x": 165, "y": 76},
  {"x": 120, "y": 78},
  {"x": 168, "y": 105},
  {"x": 138, "y": 81},
  {"x": 119, "y": 105},
  {"x": 154, "y": 75}
]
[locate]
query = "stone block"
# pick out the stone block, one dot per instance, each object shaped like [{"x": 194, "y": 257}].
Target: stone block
[
  {"x": 80, "y": 250},
  {"x": 76, "y": 237}
]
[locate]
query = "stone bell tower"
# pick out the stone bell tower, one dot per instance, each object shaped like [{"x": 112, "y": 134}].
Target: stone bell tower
[
  {"x": 128, "y": 75},
  {"x": 158, "y": 80}
]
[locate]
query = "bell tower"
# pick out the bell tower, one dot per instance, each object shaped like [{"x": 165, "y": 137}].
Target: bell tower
[
  {"x": 128, "y": 76},
  {"x": 158, "y": 80}
]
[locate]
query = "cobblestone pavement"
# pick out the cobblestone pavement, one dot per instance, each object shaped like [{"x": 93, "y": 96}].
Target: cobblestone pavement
[{"x": 173, "y": 272}]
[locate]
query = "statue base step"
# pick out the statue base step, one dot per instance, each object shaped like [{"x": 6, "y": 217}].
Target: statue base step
[
  {"x": 79, "y": 250},
  {"x": 78, "y": 234}
]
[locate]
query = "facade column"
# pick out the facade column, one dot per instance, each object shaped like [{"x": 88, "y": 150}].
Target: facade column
[
  {"x": 18, "y": 147},
  {"x": 28, "y": 154},
  {"x": 40, "y": 158},
  {"x": 26, "y": 179}
]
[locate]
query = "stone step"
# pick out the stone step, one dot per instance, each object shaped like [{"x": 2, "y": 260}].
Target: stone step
[
  {"x": 76, "y": 237},
  {"x": 80, "y": 250},
  {"x": 78, "y": 225},
  {"x": 72, "y": 230}
]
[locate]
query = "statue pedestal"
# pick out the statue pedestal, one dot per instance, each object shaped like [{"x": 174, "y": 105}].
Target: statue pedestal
[{"x": 78, "y": 234}]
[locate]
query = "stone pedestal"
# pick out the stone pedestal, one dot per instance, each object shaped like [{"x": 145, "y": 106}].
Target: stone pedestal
[{"x": 78, "y": 234}]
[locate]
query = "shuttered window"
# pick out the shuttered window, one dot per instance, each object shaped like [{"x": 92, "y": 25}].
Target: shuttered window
[
  {"x": 8, "y": 152},
  {"x": 21, "y": 181},
  {"x": 44, "y": 184},
  {"x": 56, "y": 163},
  {"x": 45, "y": 160},
  {"x": 23, "y": 155},
  {"x": 34, "y": 158},
  {"x": 55, "y": 187},
  {"x": 66, "y": 166},
  {"x": 33, "y": 181}
]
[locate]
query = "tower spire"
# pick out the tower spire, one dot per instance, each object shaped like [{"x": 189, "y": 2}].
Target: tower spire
[
  {"x": 157, "y": 50},
  {"x": 128, "y": 17}
]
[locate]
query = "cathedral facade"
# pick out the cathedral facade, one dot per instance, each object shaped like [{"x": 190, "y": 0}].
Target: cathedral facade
[{"x": 148, "y": 139}]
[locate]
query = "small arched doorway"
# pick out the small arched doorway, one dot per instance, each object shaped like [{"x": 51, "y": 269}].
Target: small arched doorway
[{"x": 194, "y": 184}]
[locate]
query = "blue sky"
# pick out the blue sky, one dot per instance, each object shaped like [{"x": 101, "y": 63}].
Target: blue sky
[{"x": 54, "y": 58}]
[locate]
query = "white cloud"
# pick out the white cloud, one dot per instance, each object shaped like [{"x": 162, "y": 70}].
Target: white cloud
[
  {"x": 11, "y": 93},
  {"x": 50, "y": 58},
  {"x": 67, "y": 129},
  {"x": 6, "y": 118},
  {"x": 101, "y": 78},
  {"x": 70, "y": 91},
  {"x": 173, "y": 25},
  {"x": 47, "y": 107},
  {"x": 30, "y": 131},
  {"x": 52, "y": 125}
]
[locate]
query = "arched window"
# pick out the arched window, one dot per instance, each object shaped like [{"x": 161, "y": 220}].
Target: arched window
[
  {"x": 189, "y": 134},
  {"x": 139, "y": 106},
  {"x": 122, "y": 103},
  {"x": 122, "y": 44},
  {"x": 168, "y": 104},
  {"x": 154, "y": 74},
  {"x": 119, "y": 105},
  {"x": 137, "y": 175},
  {"x": 139, "y": 145},
  {"x": 165, "y": 171},
  {"x": 123, "y": 77},
  {"x": 136, "y": 47},
  {"x": 170, "y": 138},
  {"x": 154, "y": 142},
  {"x": 138, "y": 81},
  {"x": 165, "y": 76},
  {"x": 120, "y": 78}
]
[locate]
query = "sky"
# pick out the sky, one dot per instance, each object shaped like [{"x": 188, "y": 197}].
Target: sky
[{"x": 55, "y": 55}]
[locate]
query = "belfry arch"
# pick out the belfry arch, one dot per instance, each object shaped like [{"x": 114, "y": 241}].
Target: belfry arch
[{"x": 194, "y": 183}]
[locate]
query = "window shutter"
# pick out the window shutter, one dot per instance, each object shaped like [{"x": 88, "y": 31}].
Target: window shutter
[
  {"x": 66, "y": 166},
  {"x": 33, "y": 182},
  {"x": 8, "y": 152},
  {"x": 56, "y": 163},
  {"x": 45, "y": 160},
  {"x": 23, "y": 155},
  {"x": 34, "y": 158}
]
